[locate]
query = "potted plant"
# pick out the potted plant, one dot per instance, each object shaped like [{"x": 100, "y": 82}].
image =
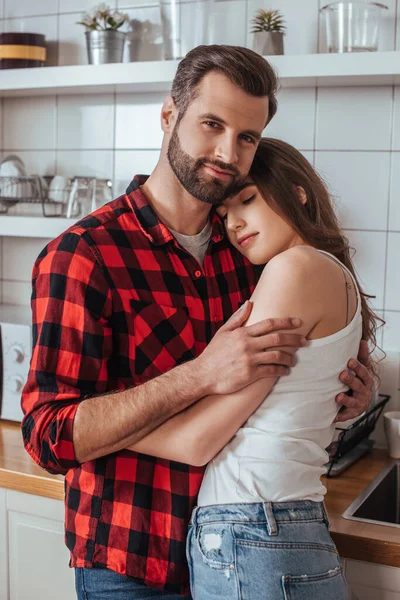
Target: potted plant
[
  {"x": 268, "y": 29},
  {"x": 105, "y": 44}
]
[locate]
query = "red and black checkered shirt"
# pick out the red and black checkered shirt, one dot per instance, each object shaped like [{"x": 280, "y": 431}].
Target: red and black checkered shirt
[{"x": 117, "y": 301}]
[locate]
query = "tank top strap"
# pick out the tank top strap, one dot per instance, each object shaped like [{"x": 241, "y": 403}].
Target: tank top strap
[{"x": 346, "y": 270}]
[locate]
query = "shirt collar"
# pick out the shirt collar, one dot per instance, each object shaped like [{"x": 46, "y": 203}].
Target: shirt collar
[{"x": 150, "y": 224}]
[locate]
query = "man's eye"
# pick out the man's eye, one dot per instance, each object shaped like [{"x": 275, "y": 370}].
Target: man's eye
[
  {"x": 249, "y": 139},
  {"x": 212, "y": 124}
]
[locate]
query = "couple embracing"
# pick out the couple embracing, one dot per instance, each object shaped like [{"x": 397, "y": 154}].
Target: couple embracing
[{"x": 194, "y": 344}]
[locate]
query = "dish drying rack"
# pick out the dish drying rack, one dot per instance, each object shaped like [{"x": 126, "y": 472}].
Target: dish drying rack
[
  {"x": 79, "y": 197},
  {"x": 353, "y": 442}
]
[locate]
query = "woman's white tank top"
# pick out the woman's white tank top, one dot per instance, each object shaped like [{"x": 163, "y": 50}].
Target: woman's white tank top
[{"x": 279, "y": 453}]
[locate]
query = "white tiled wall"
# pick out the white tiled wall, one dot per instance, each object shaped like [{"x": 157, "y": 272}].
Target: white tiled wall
[{"x": 352, "y": 135}]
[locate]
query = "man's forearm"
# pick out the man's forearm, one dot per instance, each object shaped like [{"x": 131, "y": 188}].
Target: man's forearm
[{"x": 114, "y": 421}]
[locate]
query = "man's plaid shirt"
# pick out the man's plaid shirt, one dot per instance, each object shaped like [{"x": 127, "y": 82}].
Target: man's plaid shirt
[{"x": 117, "y": 301}]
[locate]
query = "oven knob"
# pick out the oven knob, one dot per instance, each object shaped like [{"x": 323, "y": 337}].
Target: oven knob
[
  {"x": 17, "y": 384},
  {"x": 17, "y": 354}
]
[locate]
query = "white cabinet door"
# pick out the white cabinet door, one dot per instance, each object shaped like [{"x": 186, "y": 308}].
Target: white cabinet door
[
  {"x": 373, "y": 582},
  {"x": 3, "y": 548},
  {"x": 38, "y": 558}
]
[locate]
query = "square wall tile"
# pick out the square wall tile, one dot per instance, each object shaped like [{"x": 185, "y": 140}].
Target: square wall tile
[
  {"x": 37, "y": 162},
  {"x": 85, "y": 122},
  {"x": 29, "y": 123},
  {"x": 46, "y": 25},
  {"x": 359, "y": 182},
  {"x": 17, "y": 293},
  {"x": 369, "y": 262},
  {"x": 67, "y": 6},
  {"x": 28, "y": 8},
  {"x": 309, "y": 155},
  {"x": 129, "y": 163},
  {"x": 394, "y": 206},
  {"x": 138, "y": 121},
  {"x": 387, "y": 33},
  {"x": 392, "y": 300},
  {"x": 227, "y": 24},
  {"x": 398, "y": 35},
  {"x": 301, "y": 19},
  {"x": 387, "y": 30},
  {"x": 391, "y": 331},
  {"x": 72, "y": 41},
  {"x": 294, "y": 121},
  {"x": 86, "y": 163},
  {"x": 18, "y": 259},
  {"x": 145, "y": 41},
  {"x": 365, "y": 124},
  {"x": 396, "y": 123},
  {"x": 124, "y": 5}
]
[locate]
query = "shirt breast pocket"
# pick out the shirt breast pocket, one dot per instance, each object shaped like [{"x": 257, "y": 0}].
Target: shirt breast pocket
[{"x": 164, "y": 338}]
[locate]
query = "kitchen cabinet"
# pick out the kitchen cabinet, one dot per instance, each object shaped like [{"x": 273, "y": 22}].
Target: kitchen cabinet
[
  {"x": 34, "y": 558},
  {"x": 370, "y": 581},
  {"x": 3, "y": 548}
]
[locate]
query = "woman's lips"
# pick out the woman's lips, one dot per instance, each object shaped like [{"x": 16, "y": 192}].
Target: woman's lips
[{"x": 245, "y": 241}]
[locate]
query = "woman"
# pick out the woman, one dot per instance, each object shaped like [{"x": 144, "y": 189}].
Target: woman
[{"x": 260, "y": 529}]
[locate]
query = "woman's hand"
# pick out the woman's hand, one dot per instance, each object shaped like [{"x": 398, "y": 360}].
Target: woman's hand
[{"x": 361, "y": 385}]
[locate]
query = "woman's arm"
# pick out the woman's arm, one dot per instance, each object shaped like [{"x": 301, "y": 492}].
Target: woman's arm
[{"x": 198, "y": 433}]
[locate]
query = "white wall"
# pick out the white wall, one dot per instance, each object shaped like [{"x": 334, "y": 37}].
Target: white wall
[{"x": 352, "y": 135}]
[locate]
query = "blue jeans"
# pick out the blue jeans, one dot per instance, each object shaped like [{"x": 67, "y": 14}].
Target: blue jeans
[
  {"x": 263, "y": 551},
  {"x": 103, "y": 584}
]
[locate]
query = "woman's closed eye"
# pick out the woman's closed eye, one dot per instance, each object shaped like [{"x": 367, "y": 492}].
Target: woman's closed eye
[{"x": 249, "y": 200}]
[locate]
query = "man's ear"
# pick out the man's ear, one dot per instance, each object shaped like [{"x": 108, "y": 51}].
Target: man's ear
[
  {"x": 301, "y": 194},
  {"x": 168, "y": 115}
]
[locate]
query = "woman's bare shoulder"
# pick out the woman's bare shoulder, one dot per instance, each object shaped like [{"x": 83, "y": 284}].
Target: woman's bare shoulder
[{"x": 297, "y": 282}]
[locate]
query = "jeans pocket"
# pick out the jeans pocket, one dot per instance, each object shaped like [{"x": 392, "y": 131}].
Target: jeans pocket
[
  {"x": 330, "y": 585},
  {"x": 216, "y": 545}
]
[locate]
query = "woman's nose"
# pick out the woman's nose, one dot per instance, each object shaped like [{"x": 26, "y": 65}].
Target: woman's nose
[{"x": 234, "y": 223}]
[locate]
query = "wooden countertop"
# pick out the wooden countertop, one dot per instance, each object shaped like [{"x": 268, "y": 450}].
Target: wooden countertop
[
  {"x": 19, "y": 472},
  {"x": 354, "y": 539},
  {"x": 360, "y": 541}
]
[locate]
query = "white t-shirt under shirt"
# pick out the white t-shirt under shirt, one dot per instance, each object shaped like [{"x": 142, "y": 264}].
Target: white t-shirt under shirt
[
  {"x": 197, "y": 244},
  {"x": 279, "y": 454}
]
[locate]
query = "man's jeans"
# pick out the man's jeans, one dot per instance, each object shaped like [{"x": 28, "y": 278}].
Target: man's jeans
[{"x": 103, "y": 584}]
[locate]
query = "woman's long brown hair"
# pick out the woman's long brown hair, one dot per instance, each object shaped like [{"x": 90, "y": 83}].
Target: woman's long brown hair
[{"x": 276, "y": 171}]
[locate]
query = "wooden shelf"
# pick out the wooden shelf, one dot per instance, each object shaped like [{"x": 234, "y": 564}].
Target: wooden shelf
[
  {"x": 33, "y": 227},
  {"x": 370, "y": 68}
]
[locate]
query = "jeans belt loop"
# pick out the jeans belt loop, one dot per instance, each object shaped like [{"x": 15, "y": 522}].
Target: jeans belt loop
[
  {"x": 271, "y": 522},
  {"x": 193, "y": 519},
  {"x": 325, "y": 515}
]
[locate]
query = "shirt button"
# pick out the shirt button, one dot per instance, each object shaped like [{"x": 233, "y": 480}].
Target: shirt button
[
  {"x": 216, "y": 319},
  {"x": 197, "y": 273}
]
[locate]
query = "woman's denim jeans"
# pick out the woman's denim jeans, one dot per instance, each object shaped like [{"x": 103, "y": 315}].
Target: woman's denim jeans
[
  {"x": 264, "y": 551},
  {"x": 103, "y": 584}
]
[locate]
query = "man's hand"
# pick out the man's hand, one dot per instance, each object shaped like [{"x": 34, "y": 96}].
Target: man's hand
[
  {"x": 361, "y": 385},
  {"x": 238, "y": 356}
]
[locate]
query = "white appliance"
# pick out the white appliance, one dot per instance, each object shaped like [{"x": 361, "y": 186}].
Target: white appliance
[{"x": 15, "y": 334}]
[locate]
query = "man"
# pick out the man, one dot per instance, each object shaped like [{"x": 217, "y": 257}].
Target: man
[{"x": 129, "y": 307}]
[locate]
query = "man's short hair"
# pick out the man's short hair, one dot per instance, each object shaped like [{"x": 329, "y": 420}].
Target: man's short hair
[{"x": 243, "y": 67}]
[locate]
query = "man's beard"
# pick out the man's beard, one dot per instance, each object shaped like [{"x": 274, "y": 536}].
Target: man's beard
[{"x": 188, "y": 172}]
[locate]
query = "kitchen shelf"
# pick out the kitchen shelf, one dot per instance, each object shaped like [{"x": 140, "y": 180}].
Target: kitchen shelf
[
  {"x": 33, "y": 227},
  {"x": 369, "y": 68}
]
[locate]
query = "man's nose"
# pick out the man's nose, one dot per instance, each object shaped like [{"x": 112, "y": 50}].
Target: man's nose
[{"x": 227, "y": 149}]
